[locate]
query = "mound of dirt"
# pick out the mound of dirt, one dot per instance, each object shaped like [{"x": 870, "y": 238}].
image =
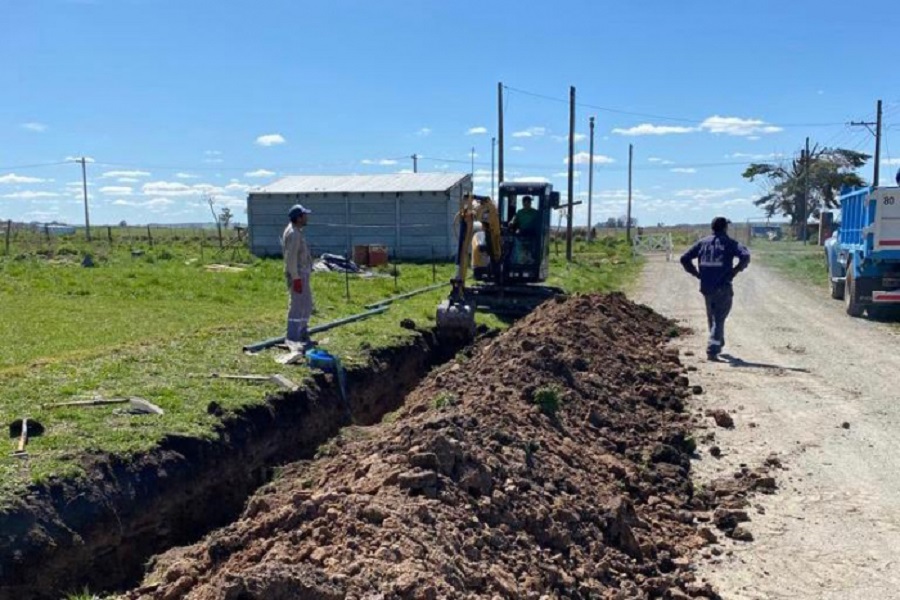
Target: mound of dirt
[{"x": 549, "y": 462}]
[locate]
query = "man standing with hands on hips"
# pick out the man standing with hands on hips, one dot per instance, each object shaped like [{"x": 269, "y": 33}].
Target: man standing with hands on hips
[
  {"x": 716, "y": 254},
  {"x": 297, "y": 267}
]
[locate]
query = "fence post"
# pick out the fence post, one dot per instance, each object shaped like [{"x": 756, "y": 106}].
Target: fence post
[
  {"x": 8, "y": 231},
  {"x": 109, "y": 235},
  {"x": 347, "y": 278},
  {"x": 47, "y": 232},
  {"x": 433, "y": 267},
  {"x": 394, "y": 263},
  {"x": 150, "y": 236}
]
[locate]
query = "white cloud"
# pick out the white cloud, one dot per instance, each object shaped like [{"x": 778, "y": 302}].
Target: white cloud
[
  {"x": 29, "y": 194},
  {"x": 87, "y": 159},
  {"x": 185, "y": 176},
  {"x": 259, "y": 173},
  {"x": 683, "y": 170},
  {"x": 116, "y": 190},
  {"x": 661, "y": 161},
  {"x": 172, "y": 188},
  {"x": 476, "y": 131},
  {"x": 769, "y": 156},
  {"x": 650, "y": 129},
  {"x": 158, "y": 202},
  {"x": 737, "y": 126},
  {"x": 385, "y": 162},
  {"x": 213, "y": 161},
  {"x": 270, "y": 139},
  {"x": 128, "y": 180},
  {"x": 212, "y": 152},
  {"x": 424, "y": 132},
  {"x": 34, "y": 126},
  {"x": 582, "y": 158},
  {"x": 579, "y": 137},
  {"x": 109, "y": 174},
  {"x": 530, "y": 132},
  {"x": 705, "y": 193},
  {"x": 518, "y": 149},
  {"x": 884, "y": 161},
  {"x": 533, "y": 179},
  {"x": 234, "y": 186},
  {"x": 13, "y": 178}
]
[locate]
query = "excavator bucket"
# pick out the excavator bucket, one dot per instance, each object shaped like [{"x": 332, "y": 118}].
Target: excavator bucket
[{"x": 456, "y": 320}]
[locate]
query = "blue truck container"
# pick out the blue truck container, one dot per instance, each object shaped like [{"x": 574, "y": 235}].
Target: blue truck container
[{"x": 863, "y": 255}]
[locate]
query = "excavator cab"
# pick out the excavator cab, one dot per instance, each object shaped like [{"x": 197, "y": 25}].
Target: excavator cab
[
  {"x": 525, "y": 209},
  {"x": 507, "y": 245}
]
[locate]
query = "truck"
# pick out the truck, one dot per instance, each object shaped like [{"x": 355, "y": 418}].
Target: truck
[{"x": 863, "y": 254}]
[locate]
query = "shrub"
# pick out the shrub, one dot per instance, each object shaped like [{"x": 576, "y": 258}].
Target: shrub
[
  {"x": 547, "y": 399},
  {"x": 445, "y": 399}
]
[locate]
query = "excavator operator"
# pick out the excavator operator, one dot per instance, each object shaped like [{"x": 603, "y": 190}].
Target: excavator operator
[{"x": 525, "y": 225}]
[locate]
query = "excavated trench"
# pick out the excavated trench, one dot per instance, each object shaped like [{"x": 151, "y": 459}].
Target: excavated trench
[{"x": 99, "y": 531}]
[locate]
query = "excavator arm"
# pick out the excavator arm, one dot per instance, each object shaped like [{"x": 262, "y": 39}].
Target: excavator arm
[{"x": 456, "y": 314}]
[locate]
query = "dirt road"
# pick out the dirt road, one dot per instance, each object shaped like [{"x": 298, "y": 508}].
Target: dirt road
[{"x": 833, "y": 528}]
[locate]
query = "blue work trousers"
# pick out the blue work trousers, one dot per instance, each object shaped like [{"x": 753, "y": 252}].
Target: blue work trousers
[{"x": 718, "y": 305}]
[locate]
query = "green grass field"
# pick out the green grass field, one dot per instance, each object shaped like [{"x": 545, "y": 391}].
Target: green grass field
[
  {"x": 156, "y": 325},
  {"x": 803, "y": 263}
]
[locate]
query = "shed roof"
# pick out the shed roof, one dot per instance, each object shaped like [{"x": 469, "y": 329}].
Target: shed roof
[{"x": 399, "y": 182}]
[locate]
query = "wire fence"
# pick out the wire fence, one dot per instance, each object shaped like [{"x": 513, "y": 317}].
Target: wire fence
[{"x": 44, "y": 239}]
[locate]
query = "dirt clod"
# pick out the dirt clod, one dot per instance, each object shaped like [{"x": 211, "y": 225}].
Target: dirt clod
[{"x": 721, "y": 417}]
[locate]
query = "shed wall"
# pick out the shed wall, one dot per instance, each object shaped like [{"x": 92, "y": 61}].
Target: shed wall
[{"x": 412, "y": 225}]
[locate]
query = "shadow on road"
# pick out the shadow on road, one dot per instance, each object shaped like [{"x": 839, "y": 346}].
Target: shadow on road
[{"x": 734, "y": 361}]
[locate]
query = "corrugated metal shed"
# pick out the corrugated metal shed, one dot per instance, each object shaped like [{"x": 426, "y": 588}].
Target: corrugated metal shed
[
  {"x": 400, "y": 182},
  {"x": 412, "y": 214}
]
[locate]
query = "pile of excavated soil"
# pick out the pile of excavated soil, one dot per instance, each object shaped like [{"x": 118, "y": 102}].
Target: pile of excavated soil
[{"x": 551, "y": 461}]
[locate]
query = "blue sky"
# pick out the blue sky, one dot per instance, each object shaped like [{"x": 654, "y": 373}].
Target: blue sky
[{"x": 174, "y": 100}]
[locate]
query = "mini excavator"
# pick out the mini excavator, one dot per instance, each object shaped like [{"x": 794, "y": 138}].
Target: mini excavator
[{"x": 507, "y": 246}]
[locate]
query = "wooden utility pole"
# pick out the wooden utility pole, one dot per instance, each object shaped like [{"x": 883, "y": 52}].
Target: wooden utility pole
[
  {"x": 473, "y": 162},
  {"x": 590, "y": 180},
  {"x": 571, "y": 172},
  {"x": 628, "y": 213},
  {"x": 877, "y": 145},
  {"x": 415, "y": 159},
  {"x": 877, "y": 134},
  {"x": 500, "y": 132},
  {"x": 8, "y": 231},
  {"x": 493, "y": 144},
  {"x": 804, "y": 217},
  {"x": 87, "y": 218}
]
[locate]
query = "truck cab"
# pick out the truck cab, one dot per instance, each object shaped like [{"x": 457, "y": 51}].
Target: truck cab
[{"x": 863, "y": 255}]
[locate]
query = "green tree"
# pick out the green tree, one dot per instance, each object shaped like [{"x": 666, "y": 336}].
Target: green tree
[{"x": 829, "y": 169}]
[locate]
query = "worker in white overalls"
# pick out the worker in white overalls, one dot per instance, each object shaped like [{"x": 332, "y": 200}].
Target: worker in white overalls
[{"x": 297, "y": 267}]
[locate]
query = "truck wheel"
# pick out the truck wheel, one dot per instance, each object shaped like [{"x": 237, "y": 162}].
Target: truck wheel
[
  {"x": 851, "y": 297},
  {"x": 837, "y": 290}
]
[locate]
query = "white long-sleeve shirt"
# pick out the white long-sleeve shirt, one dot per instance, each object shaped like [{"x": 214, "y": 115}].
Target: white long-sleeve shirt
[{"x": 297, "y": 258}]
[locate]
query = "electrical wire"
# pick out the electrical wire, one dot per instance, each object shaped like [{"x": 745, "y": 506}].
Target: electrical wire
[
  {"x": 650, "y": 115},
  {"x": 35, "y": 166}
]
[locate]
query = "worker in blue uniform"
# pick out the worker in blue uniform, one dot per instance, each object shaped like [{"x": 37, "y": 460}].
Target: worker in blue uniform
[{"x": 716, "y": 255}]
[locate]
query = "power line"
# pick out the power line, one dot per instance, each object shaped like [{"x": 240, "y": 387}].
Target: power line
[
  {"x": 35, "y": 166},
  {"x": 651, "y": 115}
]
